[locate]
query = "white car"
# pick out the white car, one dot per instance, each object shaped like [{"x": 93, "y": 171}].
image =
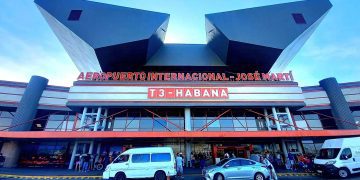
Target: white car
[
  {"x": 237, "y": 168},
  {"x": 339, "y": 157},
  {"x": 152, "y": 162}
]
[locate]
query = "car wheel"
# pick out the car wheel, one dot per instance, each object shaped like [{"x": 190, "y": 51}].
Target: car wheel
[
  {"x": 343, "y": 172},
  {"x": 259, "y": 176},
  {"x": 219, "y": 177},
  {"x": 120, "y": 176},
  {"x": 160, "y": 175}
]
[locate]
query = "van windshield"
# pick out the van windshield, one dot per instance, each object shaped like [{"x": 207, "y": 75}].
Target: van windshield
[
  {"x": 122, "y": 158},
  {"x": 328, "y": 153}
]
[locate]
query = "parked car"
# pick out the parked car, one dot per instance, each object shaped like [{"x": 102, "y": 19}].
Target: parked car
[
  {"x": 339, "y": 157},
  {"x": 154, "y": 162},
  {"x": 236, "y": 168}
]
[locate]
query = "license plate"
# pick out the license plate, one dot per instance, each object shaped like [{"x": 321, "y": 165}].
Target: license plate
[{"x": 319, "y": 171}]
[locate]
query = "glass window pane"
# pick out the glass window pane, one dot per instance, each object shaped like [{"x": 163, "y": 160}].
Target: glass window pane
[
  {"x": 133, "y": 124},
  {"x": 146, "y": 124},
  {"x": 160, "y": 157},
  {"x": 140, "y": 158},
  {"x": 119, "y": 122},
  {"x": 226, "y": 123}
]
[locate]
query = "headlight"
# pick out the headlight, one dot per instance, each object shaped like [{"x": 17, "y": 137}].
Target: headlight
[{"x": 330, "y": 162}]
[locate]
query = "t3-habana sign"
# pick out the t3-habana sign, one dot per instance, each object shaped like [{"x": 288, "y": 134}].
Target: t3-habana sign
[{"x": 193, "y": 76}]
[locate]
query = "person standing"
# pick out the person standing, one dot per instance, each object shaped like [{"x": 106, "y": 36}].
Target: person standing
[
  {"x": 269, "y": 166},
  {"x": 192, "y": 160},
  {"x": 179, "y": 165},
  {"x": 291, "y": 158},
  {"x": 86, "y": 162}
]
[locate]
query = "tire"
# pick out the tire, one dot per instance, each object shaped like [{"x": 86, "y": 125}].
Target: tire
[
  {"x": 120, "y": 176},
  {"x": 259, "y": 176},
  {"x": 219, "y": 176},
  {"x": 160, "y": 175},
  {"x": 343, "y": 173}
]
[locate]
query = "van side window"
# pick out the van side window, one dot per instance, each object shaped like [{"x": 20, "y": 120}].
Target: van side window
[
  {"x": 346, "y": 154},
  {"x": 160, "y": 157},
  {"x": 140, "y": 158}
]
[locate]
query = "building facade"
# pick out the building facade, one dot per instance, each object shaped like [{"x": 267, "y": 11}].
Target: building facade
[{"x": 136, "y": 91}]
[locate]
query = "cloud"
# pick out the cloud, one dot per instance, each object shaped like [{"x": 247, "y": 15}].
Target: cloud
[{"x": 20, "y": 59}]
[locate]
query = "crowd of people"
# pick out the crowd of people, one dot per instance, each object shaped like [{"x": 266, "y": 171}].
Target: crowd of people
[
  {"x": 296, "y": 162},
  {"x": 90, "y": 162}
]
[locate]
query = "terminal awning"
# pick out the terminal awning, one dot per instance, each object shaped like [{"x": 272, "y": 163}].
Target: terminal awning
[{"x": 182, "y": 134}]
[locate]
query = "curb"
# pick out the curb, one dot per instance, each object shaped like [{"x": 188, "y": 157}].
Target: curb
[{"x": 100, "y": 177}]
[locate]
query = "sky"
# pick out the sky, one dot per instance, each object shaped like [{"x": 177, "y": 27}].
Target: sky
[{"x": 29, "y": 47}]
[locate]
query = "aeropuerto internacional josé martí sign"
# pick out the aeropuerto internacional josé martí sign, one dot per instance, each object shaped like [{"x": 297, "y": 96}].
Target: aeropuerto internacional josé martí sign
[{"x": 180, "y": 76}]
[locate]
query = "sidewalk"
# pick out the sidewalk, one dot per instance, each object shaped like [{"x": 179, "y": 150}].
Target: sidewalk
[{"x": 52, "y": 173}]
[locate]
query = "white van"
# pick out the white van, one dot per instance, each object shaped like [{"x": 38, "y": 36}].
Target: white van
[
  {"x": 339, "y": 157},
  {"x": 156, "y": 162}
]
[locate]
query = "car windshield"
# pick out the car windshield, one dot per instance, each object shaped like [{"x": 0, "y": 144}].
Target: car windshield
[
  {"x": 328, "y": 153},
  {"x": 222, "y": 162},
  {"x": 122, "y": 158}
]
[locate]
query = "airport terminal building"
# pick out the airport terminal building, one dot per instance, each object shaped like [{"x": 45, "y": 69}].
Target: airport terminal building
[{"x": 229, "y": 95}]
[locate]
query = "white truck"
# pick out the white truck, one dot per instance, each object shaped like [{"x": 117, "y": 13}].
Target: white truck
[
  {"x": 152, "y": 162},
  {"x": 339, "y": 157}
]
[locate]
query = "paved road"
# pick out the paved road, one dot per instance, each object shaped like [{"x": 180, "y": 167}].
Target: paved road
[{"x": 198, "y": 178}]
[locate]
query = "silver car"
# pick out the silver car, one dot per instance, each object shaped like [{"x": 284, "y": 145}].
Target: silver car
[{"x": 237, "y": 168}]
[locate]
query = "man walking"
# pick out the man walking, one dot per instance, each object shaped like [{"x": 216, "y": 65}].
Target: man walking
[{"x": 179, "y": 165}]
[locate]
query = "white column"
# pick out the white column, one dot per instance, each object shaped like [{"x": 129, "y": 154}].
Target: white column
[
  {"x": 285, "y": 151},
  {"x": 299, "y": 147},
  {"x": 98, "y": 152},
  {"x": 291, "y": 122},
  {"x": 104, "y": 120},
  {"x": 188, "y": 153},
  {"x": 73, "y": 154},
  {"x": 83, "y": 116},
  {"x": 267, "y": 119},
  {"x": 187, "y": 119},
  {"x": 276, "y": 117},
  {"x": 97, "y": 119},
  {"x": 91, "y": 148}
]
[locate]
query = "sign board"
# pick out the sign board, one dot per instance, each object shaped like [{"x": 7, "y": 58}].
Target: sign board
[{"x": 194, "y": 76}]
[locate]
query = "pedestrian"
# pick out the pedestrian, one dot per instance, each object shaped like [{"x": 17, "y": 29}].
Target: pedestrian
[
  {"x": 202, "y": 161},
  {"x": 77, "y": 163},
  {"x": 86, "y": 162},
  {"x": 2, "y": 160},
  {"x": 91, "y": 162},
  {"x": 270, "y": 167},
  {"x": 226, "y": 156},
  {"x": 291, "y": 158},
  {"x": 192, "y": 160},
  {"x": 233, "y": 155},
  {"x": 179, "y": 165}
]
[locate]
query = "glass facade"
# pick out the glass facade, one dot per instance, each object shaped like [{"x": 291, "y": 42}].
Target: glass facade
[
  {"x": 5, "y": 120},
  {"x": 234, "y": 120},
  {"x": 141, "y": 120},
  {"x": 356, "y": 115},
  {"x": 58, "y": 122},
  {"x": 310, "y": 121},
  {"x": 44, "y": 154}
]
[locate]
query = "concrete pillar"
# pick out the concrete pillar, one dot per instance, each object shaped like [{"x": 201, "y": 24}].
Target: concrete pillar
[
  {"x": 267, "y": 119},
  {"x": 83, "y": 116},
  {"x": 98, "y": 152},
  {"x": 291, "y": 122},
  {"x": 91, "y": 147},
  {"x": 284, "y": 148},
  {"x": 73, "y": 154},
  {"x": 104, "y": 120},
  {"x": 299, "y": 146},
  {"x": 188, "y": 153},
  {"x": 27, "y": 108},
  {"x": 187, "y": 118},
  {"x": 339, "y": 106},
  {"x": 276, "y": 117},
  {"x": 97, "y": 119},
  {"x": 84, "y": 149},
  {"x": 11, "y": 151}
]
